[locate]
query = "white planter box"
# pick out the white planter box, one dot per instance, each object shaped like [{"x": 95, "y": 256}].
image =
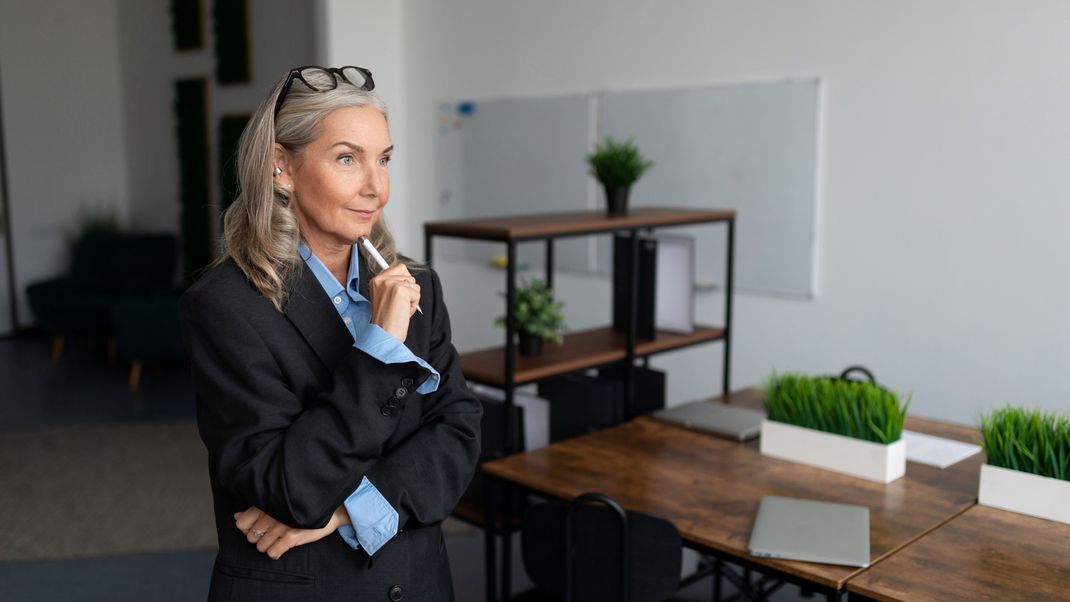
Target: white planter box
[
  {"x": 865, "y": 459},
  {"x": 1025, "y": 493}
]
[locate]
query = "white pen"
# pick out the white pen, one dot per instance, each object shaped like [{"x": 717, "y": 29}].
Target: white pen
[{"x": 370, "y": 248}]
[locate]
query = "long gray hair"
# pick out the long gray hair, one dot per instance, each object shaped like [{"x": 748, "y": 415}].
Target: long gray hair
[{"x": 260, "y": 232}]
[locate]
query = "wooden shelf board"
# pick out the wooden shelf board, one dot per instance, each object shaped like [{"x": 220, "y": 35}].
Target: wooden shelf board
[
  {"x": 573, "y": 223},
  {"x": 580, "y": 350}
]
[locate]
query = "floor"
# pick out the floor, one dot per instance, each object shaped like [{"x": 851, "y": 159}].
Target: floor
[{"x": 84, "y": 388}]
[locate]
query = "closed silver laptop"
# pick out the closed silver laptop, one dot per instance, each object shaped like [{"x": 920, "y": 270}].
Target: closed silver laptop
[
  {"x": 812, "y": 531},
  {"x": 715, "y": 418}
]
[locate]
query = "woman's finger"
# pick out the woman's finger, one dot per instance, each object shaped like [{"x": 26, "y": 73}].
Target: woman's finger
[
  {"x": 288, "y": 540},
  {"x": 382, "y": 280},
  {"x": 396, "y": 269},
  {"x": 245, "y": 519},
  {"x": 260, "y": 528},
  {"x": 273, "y": 534}
]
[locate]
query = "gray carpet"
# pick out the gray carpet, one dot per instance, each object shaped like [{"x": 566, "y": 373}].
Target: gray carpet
[
  {"x": 84, "y": 491},
  {"x": 156, "y": 576}
]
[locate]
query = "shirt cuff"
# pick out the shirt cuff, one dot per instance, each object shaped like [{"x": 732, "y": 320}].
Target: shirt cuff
[
  {"x": 373, "y": 520},
  {"x": 349, "y": 534},
  {"x": 386, "y": 348}
]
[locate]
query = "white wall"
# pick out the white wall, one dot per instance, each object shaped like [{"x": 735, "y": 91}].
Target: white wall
[
  {"x": 282, "y": 35},
  {"x": 943, "y": 260},
  {"x": 63, "y": 125},
  {"x": 371, "y": 34}
]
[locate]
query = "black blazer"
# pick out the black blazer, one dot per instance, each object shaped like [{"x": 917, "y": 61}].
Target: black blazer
[{"x": 294, "y": 416}]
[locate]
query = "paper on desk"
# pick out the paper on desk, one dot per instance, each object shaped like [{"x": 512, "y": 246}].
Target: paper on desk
[{"x": 936, "y": 451}]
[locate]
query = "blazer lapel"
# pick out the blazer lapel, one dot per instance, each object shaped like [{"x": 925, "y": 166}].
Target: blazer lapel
[{"x": 309, "y": 309}]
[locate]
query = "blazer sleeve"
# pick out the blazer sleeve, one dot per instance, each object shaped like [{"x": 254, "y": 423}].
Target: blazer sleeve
[
  {"x": 424, "y": 476},
  {"x": 296, "y": 461}
]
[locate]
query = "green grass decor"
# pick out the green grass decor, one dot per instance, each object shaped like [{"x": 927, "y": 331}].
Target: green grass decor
[
  {"x": 1030, "y": 441},
  {"x": 857, "y": 409}
]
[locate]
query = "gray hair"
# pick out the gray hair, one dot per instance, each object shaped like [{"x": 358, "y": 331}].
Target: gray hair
[{"x": 260, "y": 232}]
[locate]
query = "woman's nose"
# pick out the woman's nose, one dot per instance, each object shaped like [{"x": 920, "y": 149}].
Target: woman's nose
[{"x": 373, "y": 182}]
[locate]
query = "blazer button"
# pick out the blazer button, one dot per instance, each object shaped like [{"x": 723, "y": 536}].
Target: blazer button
[
  {"x": 406, "y": 382},
  {"x": 388, "y": 410},
  {"x": 396, "y": 594},
  {"x": 401, "y": 392}
]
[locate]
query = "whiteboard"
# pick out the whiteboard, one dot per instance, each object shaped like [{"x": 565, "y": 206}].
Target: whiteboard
[
  {"x": 515, "y": 156},
  {"x": 748, "y": 147},
  {"x": 752, "y": 148}
]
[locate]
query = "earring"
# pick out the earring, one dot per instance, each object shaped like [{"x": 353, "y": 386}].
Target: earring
[{"x": 275, "y": 172}]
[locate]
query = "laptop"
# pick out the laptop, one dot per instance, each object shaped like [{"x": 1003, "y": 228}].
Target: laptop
[
  {"x": 715, "y": 418},
  {"x": 811, "y": 531}
]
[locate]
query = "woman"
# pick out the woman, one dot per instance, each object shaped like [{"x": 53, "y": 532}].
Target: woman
[{"x": 339, "y": 429}]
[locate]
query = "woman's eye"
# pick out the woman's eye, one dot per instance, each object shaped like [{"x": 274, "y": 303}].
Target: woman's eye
[
  {"x": 383, "y": 161},
  {"x": 346, "y": 159}
]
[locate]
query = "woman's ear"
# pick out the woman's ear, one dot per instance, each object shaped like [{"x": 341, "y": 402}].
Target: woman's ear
[{"x": 281, "y": 168}]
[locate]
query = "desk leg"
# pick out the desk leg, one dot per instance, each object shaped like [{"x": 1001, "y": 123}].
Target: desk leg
[{"x": 489, "y": 552}]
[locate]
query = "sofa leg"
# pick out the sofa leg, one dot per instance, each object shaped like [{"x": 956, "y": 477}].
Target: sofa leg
[
  {"x": 135, "y": 376},
  {"x": 57, "y": 347}
]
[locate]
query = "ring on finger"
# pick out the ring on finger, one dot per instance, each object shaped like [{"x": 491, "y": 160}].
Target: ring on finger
[{"x": 257, "y": 533}]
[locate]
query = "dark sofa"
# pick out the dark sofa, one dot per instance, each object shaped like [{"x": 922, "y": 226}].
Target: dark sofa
[{"x": 120, "y": 286}]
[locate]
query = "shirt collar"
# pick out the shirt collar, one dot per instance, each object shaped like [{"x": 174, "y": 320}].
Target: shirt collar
[{"x": 326, "y": 279}]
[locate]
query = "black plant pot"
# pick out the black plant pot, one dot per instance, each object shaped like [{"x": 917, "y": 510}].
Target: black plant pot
[
  {"x": 530, "y": 344},
  {"x": 616, "y": 199}
]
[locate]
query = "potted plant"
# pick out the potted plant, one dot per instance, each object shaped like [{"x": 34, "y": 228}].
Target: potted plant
[
  {"x": 848, "y": 426},
  {"x": 93, "y": 222},
  {"x": 538, "y": 316},
  {"x": 1028, "y": 467},
  {"x": 617, "y": 165}
]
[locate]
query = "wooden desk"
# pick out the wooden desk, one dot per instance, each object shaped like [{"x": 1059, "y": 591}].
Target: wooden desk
[
  {"x": 983, "y": 554},
  {"x": 710, "y": 487}
]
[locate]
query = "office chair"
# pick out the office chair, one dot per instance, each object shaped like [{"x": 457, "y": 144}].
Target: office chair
[{"x": 590, "y": 549}]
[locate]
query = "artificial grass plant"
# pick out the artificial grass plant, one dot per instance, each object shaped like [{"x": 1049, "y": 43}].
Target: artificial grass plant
[
  {"x": 1030, "y": 441},
  {"x": 851, "y": 408}
]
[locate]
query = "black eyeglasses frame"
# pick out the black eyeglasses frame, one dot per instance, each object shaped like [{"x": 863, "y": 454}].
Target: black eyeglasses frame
[{"x": 337, "y": 73}]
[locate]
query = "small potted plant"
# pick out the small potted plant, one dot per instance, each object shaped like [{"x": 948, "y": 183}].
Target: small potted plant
[
  {"x": 844, "y": 425},
  {"x": 93, "y": 222},
  {"x": 617, "y": 165},
  {"x": 538, "y": 316},
  {"x": 1028, "y": 467}
]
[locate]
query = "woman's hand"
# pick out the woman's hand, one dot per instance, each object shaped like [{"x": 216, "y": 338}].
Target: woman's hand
[
  {"x": 395, "y": 297},
  {"x": 275, "y": 538}
]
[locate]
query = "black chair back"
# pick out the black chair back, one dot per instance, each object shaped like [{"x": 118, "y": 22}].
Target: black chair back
[{"x": 615, "y": 555}]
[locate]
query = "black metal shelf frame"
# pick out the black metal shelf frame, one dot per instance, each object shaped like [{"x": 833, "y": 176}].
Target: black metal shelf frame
[{"x": 510, "y": 384}]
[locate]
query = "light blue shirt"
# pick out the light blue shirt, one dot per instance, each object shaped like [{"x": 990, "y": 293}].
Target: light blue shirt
[{"x": 374, "y": 520}]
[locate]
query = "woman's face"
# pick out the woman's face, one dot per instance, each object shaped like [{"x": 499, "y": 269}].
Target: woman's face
[{"x": 340, "y": 181}]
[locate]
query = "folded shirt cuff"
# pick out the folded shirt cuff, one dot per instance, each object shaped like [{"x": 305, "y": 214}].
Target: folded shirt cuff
[
  {"x": 373, "y": 520},
  {"x": 386, "y": 348},
  {"x": 349, "y": 534}
]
